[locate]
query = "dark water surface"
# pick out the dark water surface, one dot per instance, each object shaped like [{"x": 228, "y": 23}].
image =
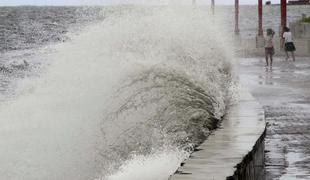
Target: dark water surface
[
  {"x": 28, "y": 26},
  {"x": 24, "y": 29}
]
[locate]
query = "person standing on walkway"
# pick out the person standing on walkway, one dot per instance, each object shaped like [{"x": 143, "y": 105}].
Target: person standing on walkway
[
  {"x": 288, "y": 43},
  {"x": 269, "y": 48}
]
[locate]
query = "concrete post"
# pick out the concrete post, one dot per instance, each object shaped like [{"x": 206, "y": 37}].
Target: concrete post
[
  {"x": 283, "y": 22},
  {"x": 212, "y": 6},
  {"x": 237, "y": 17},
  {"x": 260, "y": 34},
  {"x": 260, "y": 17}
]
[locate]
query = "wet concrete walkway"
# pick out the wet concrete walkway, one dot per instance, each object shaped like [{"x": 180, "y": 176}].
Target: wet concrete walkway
[
  {"x": 226, "y": 147},
  {"x": 284, "y": 93}
]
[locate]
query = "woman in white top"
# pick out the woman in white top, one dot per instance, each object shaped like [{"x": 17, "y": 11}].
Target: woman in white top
[{"x": 288, "y": 43}]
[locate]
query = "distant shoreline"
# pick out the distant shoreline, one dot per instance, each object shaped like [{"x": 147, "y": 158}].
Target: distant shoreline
[{"x": 199, "y": 5}]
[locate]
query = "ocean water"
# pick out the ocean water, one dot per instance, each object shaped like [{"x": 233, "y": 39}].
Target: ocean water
[
  {"x": 121, "y": 92},
  {"x": 25, "y": 34},
  {"x": 29, "y": 27},
  {"x": 124, "y": 96}
]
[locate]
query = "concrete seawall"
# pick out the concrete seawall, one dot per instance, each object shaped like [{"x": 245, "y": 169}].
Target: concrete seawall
[
  {"x": 234, "y": 151},
  {"x": 252, "y": 165}
]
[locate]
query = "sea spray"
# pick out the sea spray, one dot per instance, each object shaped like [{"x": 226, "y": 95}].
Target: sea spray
[
  {"x": 175, "y": 92},
  {"x": 156, "y": 166},
  {"x": 141, "y": 85}
]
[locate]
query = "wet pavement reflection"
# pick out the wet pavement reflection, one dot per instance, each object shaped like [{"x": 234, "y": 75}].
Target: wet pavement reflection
[{"x": 285, "y": 96}]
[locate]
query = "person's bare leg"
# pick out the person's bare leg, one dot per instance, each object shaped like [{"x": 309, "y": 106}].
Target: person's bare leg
[
  {"x": 271, "y": 59},
  {"x": 286, "y": 53},
  {"x": 266, "y": 56},
  {"x": 293, "y": 55}
]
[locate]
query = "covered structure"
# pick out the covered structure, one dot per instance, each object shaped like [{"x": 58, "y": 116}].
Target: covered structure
[{"x": 260, "y": 32}]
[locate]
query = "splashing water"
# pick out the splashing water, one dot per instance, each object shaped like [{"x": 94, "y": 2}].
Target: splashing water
[
  {"x": 158, "y": 165},
  {"x": 125, "y": 99}
]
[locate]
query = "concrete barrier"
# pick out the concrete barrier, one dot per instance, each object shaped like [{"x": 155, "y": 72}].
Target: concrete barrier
[
  {"x": 301, "y": 34},
  {"x": 300, "y": 30},
  {"x": 247, "y": 47},
  {"x": 235, "y": 150},
  {"x": 252, "y": 166}
]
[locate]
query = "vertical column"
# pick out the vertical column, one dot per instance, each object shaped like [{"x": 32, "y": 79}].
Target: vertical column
[
  {"x": 193, "y": 2},
  {"x": 212, "y": 6},
  {"x": 236, "y": 16},
  {"x": 260, "y": 41},
  {"x": 260, "y": 17},
  {"x": 283, "y": 14},
  {"x": 283, "y": 21}
]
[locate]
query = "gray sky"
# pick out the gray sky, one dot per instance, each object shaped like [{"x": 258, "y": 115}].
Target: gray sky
[{"x": 104, "y": 2}]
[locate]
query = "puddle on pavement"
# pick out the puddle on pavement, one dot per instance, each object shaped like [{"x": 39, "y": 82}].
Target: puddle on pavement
[{"x": 293, "y": 172}]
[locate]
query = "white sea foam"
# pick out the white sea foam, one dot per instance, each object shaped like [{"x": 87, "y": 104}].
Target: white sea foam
[
  {"x": 156, "y": 166},
  {"x": 123, "y": 95}
]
